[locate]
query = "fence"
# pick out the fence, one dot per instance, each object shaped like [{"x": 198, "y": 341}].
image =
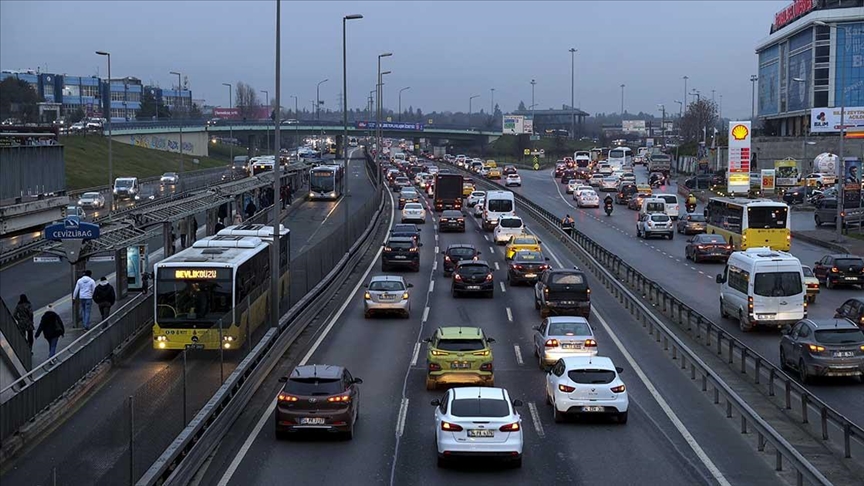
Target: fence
[
  {"x": 15, "y": 337},
  {"x": 31, "y": 170}
]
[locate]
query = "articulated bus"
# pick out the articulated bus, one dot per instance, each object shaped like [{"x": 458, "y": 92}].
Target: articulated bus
[
  {"x": 750, "y": 223},
  {"x": 216, "y": 293},
  {"x": 325, "y": 182}
]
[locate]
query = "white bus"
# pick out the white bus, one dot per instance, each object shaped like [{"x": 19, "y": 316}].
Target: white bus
[
  {"x": 325, "y": 182},
  {"x": 620, "y": 158},
  {"x": 498, "y": 203}
]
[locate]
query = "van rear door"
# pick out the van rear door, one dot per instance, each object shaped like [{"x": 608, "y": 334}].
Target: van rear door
[{"x": 778, "y": 292}]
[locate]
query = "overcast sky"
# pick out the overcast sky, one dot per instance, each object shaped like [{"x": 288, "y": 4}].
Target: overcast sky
[{"x": 445, "y": 51}]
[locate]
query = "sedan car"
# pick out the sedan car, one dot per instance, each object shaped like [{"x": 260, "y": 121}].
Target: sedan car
[
  {"x": 513, "y": 180},
  {"x": 586, "y": 385},
  {"x": 811, "y": 283},
  {"x": 472, "y": 276},
  {"x": 169, "y": 179},
  {"x": 475, "y": 197},
  {"x": 526, "y": 266},
  {"x": 451, "y": 220},
  {"x": 560, "y": 336},
  {"x": 92, "y": 200},
  {"x": 521, "y": 242},
  {"x": 408, "y": 195},
  {"x": 318, "y": 398},
  {"x": 706, "y": 247},
  {"x": 474, "y": 422},
  {"x": 823, "y": 347},
  {"x": 692, "y": 223},
  {"x": 459, "y": 355},
  {"x": 588, "y": 199},
  {"x": 596, "y": 180},
  {"x": 635, "y": 202},
  {"x": 478, "y": 208},
  {"x": 457, "y": 253},
  {"x": 572, "y": 185},
  {"x": 852, "y": 309},
  {"x": 387, "y": 294},
  {"x": 413, "y": 213},
  {"x": 609, "y": 184},
  {"x": 409, "y": 230}
]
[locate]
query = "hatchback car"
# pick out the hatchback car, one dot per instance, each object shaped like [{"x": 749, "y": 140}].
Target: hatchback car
[
  {"x": 457, "y": 253},
  {"x": 92, "y": 200},
  {"x": 706, "y": 247},
  {"x": 526, "y": 266},
  {"x": 459, "y": 355},
  {"x": 692, "y": 224},
  {"x": 823, "y": 347},
  {"x": 654, "y": 224},
  {"x": 318, "y": 398},
  {"x": 840, "y": 269},
  {"x": 475, "y": 197},
  {"x": 586, "y": 385},
  {"x": 413, "y": 213},
  {"x": 587, "y": 199},
  {"x": 521, "y": 242},
  {"x": 472, "y": 276},
  {"x": 401, "y": 251},
  {"x": 451, "y": 220},
  {"x": 560, "y": 336},
  {"x": 387, "y": 294},
  {"x": 507, "y": 226},
  {"x": 635, "y": 202},
  {"x": 626, "y": 190},
  {"x": 169, "y": 179},
  {"x": 513, "y": 180},
  {"x": 852, "y": 309},
  {"x": 510, "y": 169},
  {"x": 474, "y": 422}
]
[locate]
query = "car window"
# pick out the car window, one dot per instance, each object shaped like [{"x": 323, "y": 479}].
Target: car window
[
  {"x": 807, "y": 271},
  {"x": 569, "y": 329},
  {"x": 669, "y": 199},
  {"x": 566, "y": 279},
  {"x": 777, "y": 284},
  {"x": 461, "y": 344},
  {"x": 696, "y": 218},
  {"x": 843, "y": 263},
  {"x": 314, "y": 386},
  {"x": 523, "y": 241},
  {"x": 710, "y": 239},
  {"x": 508, "y": 222},
  {"x": 528, "y": 256},
  {"x": 473, "y": 269},
  {"x": 404, "y": 228},
  {"x": 591, "y": 377},
  {"x": 840, "y": 336},
  {"x": 501, "y": 206},
  {"x": 462, "y": 252},
  {"x": 659, "y": 217},
  {"x": 413, "y": 206},
  {"x": 386, "y": 285},
  {"x": 400, "y": 245},
  {"x": 480, "y": 407}
]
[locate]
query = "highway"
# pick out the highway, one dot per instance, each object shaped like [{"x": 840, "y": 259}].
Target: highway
[
  {"x": 674, "y": 434},
  {"x": 663, "y": 261},
  {"x": 81, "y": 458}
]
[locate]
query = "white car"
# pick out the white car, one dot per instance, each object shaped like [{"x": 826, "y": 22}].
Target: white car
[
  {"x": 579, "y": 188},
  {"x": 419, "y": 177},
  {"x": 628, "y": 177},
  {"x": 413, "y": 212},
  {"x": 586, "y": 385},
  {"x": 508, "y": 226},
  {"x": 92, "y": 200},
  {"x": 475, "y": 197},
  {"x": 573, "y": 185},
  {"x": 609, "y": 184},
  {"x": 513, "y": 180},
  {"x": 588, "y": 199},
  {"x": 169, "y": 179},
  {"x": 484, "y": 171},
  {"x": 561, "y": 336},
  {"x": 478, "y": 208},
  {"x": 478, "y": 421}
]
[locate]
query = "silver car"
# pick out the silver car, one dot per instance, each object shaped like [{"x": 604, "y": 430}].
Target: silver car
[
  {"x": 561, "y": 336},
  {"x": 92, "y": 200},
  {"x": 169, "y": 179},
  {"x": 387, "y": 294}
]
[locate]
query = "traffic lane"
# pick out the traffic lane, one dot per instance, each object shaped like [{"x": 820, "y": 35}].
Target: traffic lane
[
  {"x": 694, "y": 284},
  {"x": 378, "y": 350}
]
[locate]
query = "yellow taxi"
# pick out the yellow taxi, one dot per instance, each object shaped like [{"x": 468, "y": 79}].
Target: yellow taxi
[
  {"x": 494, "y": 173},
  {"x": 643, "y": 189},
  {"x": 467, "y": 188},
  {"x": 490, "y": 163},
  {"x": 520, "y": 243}
]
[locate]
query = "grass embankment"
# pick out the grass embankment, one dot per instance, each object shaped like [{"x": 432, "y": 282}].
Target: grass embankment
[{"x": 87, "y": 161}]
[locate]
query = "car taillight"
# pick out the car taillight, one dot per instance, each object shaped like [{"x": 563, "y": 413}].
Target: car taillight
[
  {"x": 618, "y": 389},
  {"x": 551, "y": 343},
  {"x": 566, "y": 389},
  {"x": 590, "y": 343},
  {"x": 486, "y": 367},
  {"x": 413, "y": 249},
  {"x": 814, "y": 348},
  {"x": 457, "y": 277},
  {"x": 489, "y": 277},
  {"x": 514, "y": 427},
  {"x": 434, "y": 366},
  {"x": 283, "y": 397},
  {"x": 517, "y": 267},
  {"x": 446, "y": 258},
  {"x": 340, "y": 399},
  {"x": 450, "y": 427}
]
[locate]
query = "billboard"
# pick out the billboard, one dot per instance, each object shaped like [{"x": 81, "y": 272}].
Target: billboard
[
  {"x": 366, "y": 125},
  {"x": 739, "y": 157},
  {"x": 528, "y": 126},
  {"x": 512, "y": 124},
  {"x": 786, "y": 172},
  {"x": 852, "y": 184},
  {"x": 849, "y": 64},
  {"x": 637, "y": 126},
  {"x": 827, "y": 120},
  {"x": 768, "y": 180},
  {"x": 769, "y": 88},
  {"x": 798, "y": 93}
]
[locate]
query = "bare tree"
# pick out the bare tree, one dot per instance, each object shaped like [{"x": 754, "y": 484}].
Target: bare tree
[
  {"x": 701, "y": 115},
  {"x": 246, "y": 100}
]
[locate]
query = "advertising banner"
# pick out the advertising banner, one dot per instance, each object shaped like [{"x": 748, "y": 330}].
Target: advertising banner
[
  {"x": 528, "y": 126},
  {"x": 739, "y": 157},
  {"x": 787, "y": 172},
  {"x": 259, "y": 113},
  {"x": 827, "y": 120},
  {"x": 366, "y": 125},
  {"x": 768, "y": 180},
  {"x": 852, "y": 184},
  {"x": 512, "y": 124}
]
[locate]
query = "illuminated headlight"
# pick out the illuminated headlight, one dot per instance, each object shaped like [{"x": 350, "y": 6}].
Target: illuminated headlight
[
  {"x": 161, "y": 345},
  {"x": 226, "y": 345},
  {"x": 367, "y": 296},
  {"x": 115, "y": 190},
  {"x": 137, "y": 197},
  {"x": 80, "y": 202},
  {"x": 161, "y": 338},
  {"x": 311, "y": 194},
  {"x": 333, "y": 194},
  {"x": 228, "y": 338}
]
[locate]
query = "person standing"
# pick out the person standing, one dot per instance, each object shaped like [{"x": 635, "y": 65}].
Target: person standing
[
  {"x": 24, "y": 318},
  {"x": 219, "y": 227},
  {"x": 104, "y": 296},
  {"x": 84, "y": 288},
  {"x": 183, "y": 227},
  {"x": 194, "y": 229},
  {"x": 251, "y": 209},
  {"x": 52, "y": 326}
]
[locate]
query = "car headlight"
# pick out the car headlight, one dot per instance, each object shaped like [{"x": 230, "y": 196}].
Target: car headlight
[{"x": 115, "y": 190}]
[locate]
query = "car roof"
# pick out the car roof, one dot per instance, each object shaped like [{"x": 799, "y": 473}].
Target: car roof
[
  {"x": 401, "y": 239},
  {"x": 844, "y": 255},
  {"x": 831, "y": 323},
  {"x": 317, "y": 370},
  {"x": 459, "y": 332},
  {"x": 593, "y": 362},
  {"x": 387, "y": 278},
  {"x": 461, "y": 245},
  {"x": 484, "y": 392},
  {"x": 404, "y": 226},
  {"x": 559, "y": 319},
  {"x": 473, "y": 262}
]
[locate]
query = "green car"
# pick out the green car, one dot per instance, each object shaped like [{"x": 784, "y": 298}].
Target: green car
[{"x": 459, "y": 355}]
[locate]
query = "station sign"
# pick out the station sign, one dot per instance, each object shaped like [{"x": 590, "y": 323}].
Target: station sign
[
  {"x": 72, "y": 228},
  {"x": 46, "y": 259},
  {"x": 367, "y": 125}
]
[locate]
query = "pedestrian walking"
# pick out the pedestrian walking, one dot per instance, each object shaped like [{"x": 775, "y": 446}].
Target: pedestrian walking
[
  {"x": 183, "y": 227},
  {"x": 194, "y": 229},
  {"x": 84, "y": 288},
  {"x": 251, "y": 209},
  {"x": 145, "y": 282},
  {"x": 52, "y": 327},
  {"x": 104, "y": 296},
  {"x": 24, "y": 318},
  {"x": 223, "y": 213}
]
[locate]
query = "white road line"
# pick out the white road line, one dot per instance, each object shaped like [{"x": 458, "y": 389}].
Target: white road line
[
  {"x": 425, "y": 314},
  {"x": 700, "y": 271},
  {"x": 436, "y": 248},
  {"x": 247, "y": 444},
  {"x": 535, "y": 417},
  {"x": 509, "y": 314},
  {"x": 400, "y": 423},
  {"x": 503, "y": 288},
  {"x": 431, "y": 284},
  {"x": 416, "y": 354},
  {"x": 518, "y": 355},
  {"x": 434, "y": 264},
  {"x": 436, "y": 234},
  {"x": 485, "y": 237},
  {"x": 491, "y": 248},
  {"x": 497, "y": 267}
]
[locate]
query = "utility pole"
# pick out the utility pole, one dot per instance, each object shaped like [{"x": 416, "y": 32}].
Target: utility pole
[
  {"x": 230, "y": 122},
  {"x": 179, "y": 104},
  {"x": 275, "y": 246},
  {"x": 753, "y": 79},
  {"x": 275, "y": 117},
  {"x": 684, "y": 107},
  {"x": 622, "y": 99},
  {"x": 572, "y": 91}
]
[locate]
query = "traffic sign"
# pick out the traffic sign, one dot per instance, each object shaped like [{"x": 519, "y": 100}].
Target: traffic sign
[
  {"x": 46, "y": 259},
  {"x": 527, "y": 151},
  {"x": 534, "y": 138},
  {"x": 102, "y": 258},
  {"x": 72, "y": 228}
]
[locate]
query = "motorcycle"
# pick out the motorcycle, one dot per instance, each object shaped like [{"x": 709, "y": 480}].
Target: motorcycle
[
  {"x": 608, "y": 208},
  {"x": 690, "y": 208}
]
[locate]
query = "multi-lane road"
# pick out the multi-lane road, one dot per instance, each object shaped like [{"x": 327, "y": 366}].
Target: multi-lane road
[{"x": 673, "y": 436}]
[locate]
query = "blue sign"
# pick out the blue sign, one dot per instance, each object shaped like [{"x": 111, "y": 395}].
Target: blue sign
[
  {"x": 366, "y": 125},
  {"x": 72, "y": 228}
]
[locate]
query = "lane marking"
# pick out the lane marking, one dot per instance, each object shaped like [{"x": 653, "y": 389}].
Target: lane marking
[
  {"x": 503, "y": 288},
  {"x": 509, "y": 314},
  {"x": 497, "y": 267},
  {"x": 425, "y": 314},
  {"x": 535, "y": 417},
  {"x": 492, "y": 249},
  {"x": 416, "y": 354},
  {"x": 400, "y": 423},
  {"x": 518, "y": 354},
  {"x": 432, "y": 286},
  {"x": 436, "y": 234},
  {"x": 485, "y": 237},
  {"x": 434, "y": 264},
  {"x": 436, "y": 247}
]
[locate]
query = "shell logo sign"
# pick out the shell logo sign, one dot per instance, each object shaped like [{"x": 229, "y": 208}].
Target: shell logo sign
[{"x": 740, "y": 132}]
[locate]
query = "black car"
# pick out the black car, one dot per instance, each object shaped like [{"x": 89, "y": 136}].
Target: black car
[
  {"x": 407, "y": 195},
  {"x": 401, "y": 251},
  {"x": 563, "y": 291},
  {"x": 836, "y": 270},
  {"x": 451, "y": 220},
  {"x": 317, "y": 398},
  {"x": 457, "y": 253},
  {"x": 526, "y": 266},
  {"x": 797, "y": 195},
  {"x": 560, "y": 167},
  {"x": 406, "y": 230},
  {"x": 852, "y": 309},
  {"x": 625, "y": 192},
  {"x": 474, "y": 276},
  {"x": 823, "y": 347},
  {"x": 706, "y": 247},
  {"x": 567, "y": 175}
]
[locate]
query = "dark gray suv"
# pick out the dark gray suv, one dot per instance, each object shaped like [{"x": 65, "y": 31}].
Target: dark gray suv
[{"x": 822, "y": 348}]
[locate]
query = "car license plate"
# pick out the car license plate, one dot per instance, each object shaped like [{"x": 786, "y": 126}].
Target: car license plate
[
  {"x": 530, "y": 275},
  {"x": 460, "y": 365},
  {"x": 400, "y": 257},
  {"x": 312, "y": 421},
  {"x": 843, "y": 354},
  {"x": 570, "y": 346},
  {"x": 195, "y": 346},
  {"x": 481, "y": 433},
  {"x": 851, "y": 278},
  {"x": 473, "y": 287},
  {"x": 765, "y": 316},
  {"x": 593, "y": 409}
]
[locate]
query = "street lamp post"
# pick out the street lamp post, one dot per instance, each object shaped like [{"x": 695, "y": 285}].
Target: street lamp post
[
  {"x": 381, "y": 106},
  {"x": 622, "y": 99},
  {"x": 318, "y": 97},
  {"x": 230, "y": 120},
  {"x": 378, "y": 116},
  {"x": 663, "y": 124},
  {"x": 685, "y": 95},
  {"x": 345, "y": 19},
  {"x": 492, "y": 105},
  {"x": 296, "y": 127},
  {"x": 110, "y": 153},
  {"x": 753, "y": 79},
  {"x": 180, "y": 103},
  {"x": 275, "y": 246},
  {"x": 275, "y": 117},
  {"x": 470, "y": 100},
  {"x": 533, "y": 83},
  {"x": 400, "y": 101},
  {"x": 572, "y": 91}
]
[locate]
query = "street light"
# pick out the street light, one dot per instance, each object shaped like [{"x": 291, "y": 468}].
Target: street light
[
  {"x": 230, "y": 121},
  {"x": 622, "y": 99},
  {"x": 276, "y": 116},
  {"x": 400, "y": 101},
  {"x": 753, "y": 79},
  {"x": 470, "y": 99},
  {"x": 180, "y": 103},
  {"x": 533, "y": 83},
  {"x": 378, "y": 115},
  {"x": 110, "y": 153},
  {"x": 345, "y": 19},
  {"x": 685, "y": 78},
  {"x": 275, "y": 246},
  {"x": 318, "y": 97},
  {"x": 572, "y": 91}
]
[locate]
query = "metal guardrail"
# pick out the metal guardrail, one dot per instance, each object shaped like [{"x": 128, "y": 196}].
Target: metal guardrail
[
  {"x": 616, "y": 275},
  {"x": 15, "y": 337}
]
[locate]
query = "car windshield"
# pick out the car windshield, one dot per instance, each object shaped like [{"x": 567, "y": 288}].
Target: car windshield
[
  {"x": 473, "y": 269},
  {"x": 404, "y": 228},
  {"x": 777, "y": 284},
  {"x": 500, "y": 205},
  {"x": 587, "y": 193},
  {"x": 123, "y": 183},
  {"x": 386, "y": 285},
  {"x": 479, "y": 407},
  {"x": 90, "y": 195},
  {"x": 669, "y": 199},
  {"x": 462, "y": 252},
  {"x": 527, "y": 256},
  {"x": 560, "y": 278},
  {"x": 508, "y": 222},
  {"x": 591, "y": 377},
  {"x": 322, "y": 181},
  {"x": 314, "y": 386},
  {"x": 718, "y": 239},
  {"x": 840, "y": 336},
  {"x": 408, "y": 192},
  {"x": 460, "y": 344},
  {"x": 169, "y": 174},
  {"x": 400, "y": 245},
  {"x": 451, "y": 214},
  {"x": 569, "y": 329},
  {"x": 843, "y": 263},
  {"x": 524, "y": 241}
]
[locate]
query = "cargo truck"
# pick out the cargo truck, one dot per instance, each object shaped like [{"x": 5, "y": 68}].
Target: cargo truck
[{"x": 448, "y": 191}]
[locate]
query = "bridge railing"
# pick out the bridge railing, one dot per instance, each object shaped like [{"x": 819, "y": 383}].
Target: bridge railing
[{"x": 15, "y": 338}]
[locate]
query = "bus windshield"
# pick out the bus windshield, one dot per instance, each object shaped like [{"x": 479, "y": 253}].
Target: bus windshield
[
  {"x": 770, "y": 217},
  {"x": 192, "y": 302},
  {"x": 321, "y": 181},
  {"x": 616, "y": 154}
]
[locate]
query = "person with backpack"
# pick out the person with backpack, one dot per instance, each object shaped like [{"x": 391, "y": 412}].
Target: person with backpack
[
  {"x": 52, "y": 327},
  {"x": 104, "y": 296},
  {"x": 24, "y": 318}
]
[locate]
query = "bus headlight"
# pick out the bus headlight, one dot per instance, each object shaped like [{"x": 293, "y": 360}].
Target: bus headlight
[
  {"x": 228, "y": 338},
  {"x": 161, "y": 338},
  {"x": 226, "y": 345}
]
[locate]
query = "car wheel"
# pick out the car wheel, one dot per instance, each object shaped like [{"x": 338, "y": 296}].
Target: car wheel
[
  {"x": 430, "y": 384},
  {"x": 802, "y": 372},
  {"x": 622, "y": 418},
  {"x": 743, "y": 323},
  {"x": 536, "y": 303},
  {"x": 817, "y": 220},
  {"x": 695, "y": 258},
  {"x": 557, "y": 416},
  {"x": 828, "y": 284},
  {"x": 350, "y": 434},
  {"x": 671, "y": 235},
  {"x": 783, "y": 364}
]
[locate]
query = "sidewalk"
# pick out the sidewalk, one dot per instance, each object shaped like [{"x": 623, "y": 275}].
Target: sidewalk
[{"x": 825, "y": 238}]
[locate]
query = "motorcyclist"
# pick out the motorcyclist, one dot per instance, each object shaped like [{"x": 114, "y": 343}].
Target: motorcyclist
[
  {"x": 691, "y": 202},
  {"x": 567, "y": 222},
  {"x": 607, "y": 204}
]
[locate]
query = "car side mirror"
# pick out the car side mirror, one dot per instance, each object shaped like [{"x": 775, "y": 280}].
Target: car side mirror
[
  {"x": 436, "y": 402},
  {"x": 358, "y": 381},
  {"x": 536, "y": 328},
  {"x": 619, "y": 369},
  {"x": 517, "y": 403},
  {"x": 283, "y": 379},
  {"x": 719, "y": 278},
  {"x": 410, "y": 285},
  {"x": 490, "y": 340},
  {"x": 837, "y": 310}
]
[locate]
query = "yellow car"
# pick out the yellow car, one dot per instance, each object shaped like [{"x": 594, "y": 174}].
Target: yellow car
[
  {"x": 520, "y": 243},
  {"x": 491, "y": 163},
  {"x": 467, "y": 189},
  {"x": 644, "y": 189},
  {"x": 494, "y": 173}
]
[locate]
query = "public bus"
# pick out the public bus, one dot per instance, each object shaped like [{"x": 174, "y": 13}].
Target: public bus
[
  {"x": 216, "y": 293},
  {"x": 620, "y": 158},
  {"x": 750, "y": 223},
  {"x": 325, "y": 182}
]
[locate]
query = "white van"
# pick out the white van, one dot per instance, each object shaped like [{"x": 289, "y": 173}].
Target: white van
[
  {"x": 498, "y": 204},
  {"x": 673, "y": 210},
  {"x": 762, "y": 287},
  {"x": 508, "y": 226},
  {"x": 126, "y": 188},
  {"x": 653, "y": 205}
]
